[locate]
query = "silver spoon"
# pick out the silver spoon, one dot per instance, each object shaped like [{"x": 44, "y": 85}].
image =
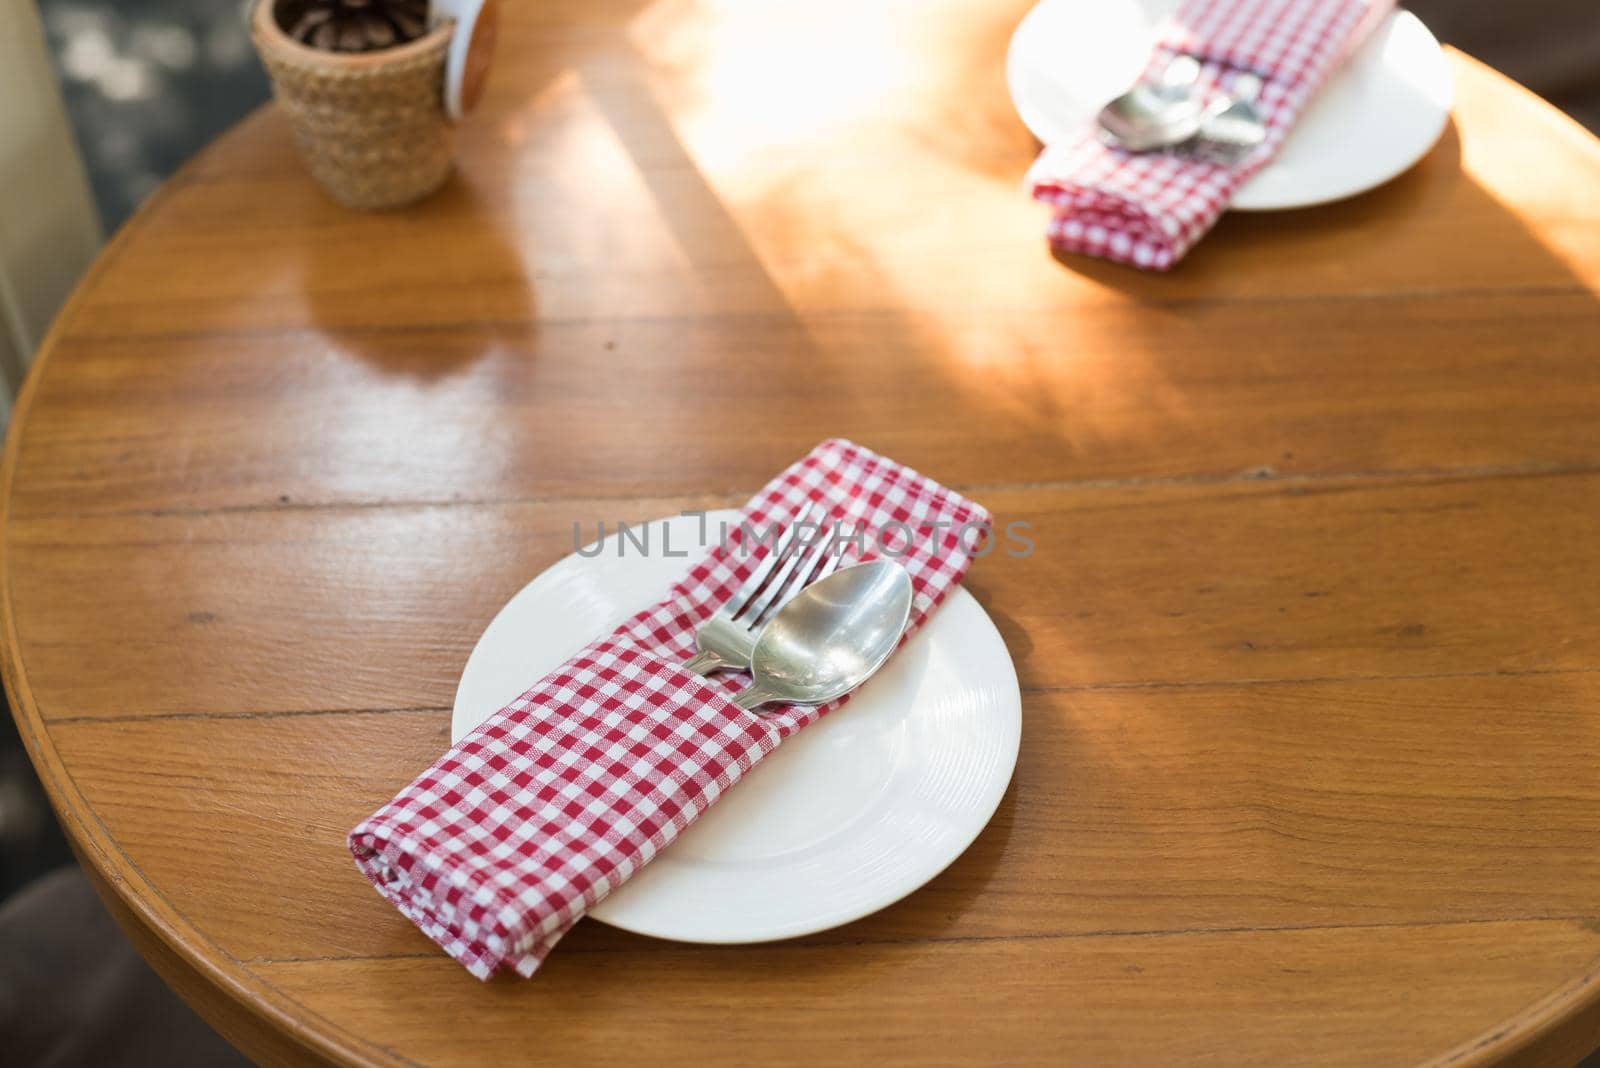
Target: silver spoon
[
  {"x": 831, "y": 638},
  {"x": 1150, "y": 116}
]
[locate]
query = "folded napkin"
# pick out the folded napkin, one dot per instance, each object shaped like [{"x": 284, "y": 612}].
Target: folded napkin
[
  {"x": 1148, "y": 209},
  {"x": 499, "y": 848}
]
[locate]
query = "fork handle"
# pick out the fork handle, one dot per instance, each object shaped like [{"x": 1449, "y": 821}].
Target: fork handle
[{"x": 704, "y": 663}]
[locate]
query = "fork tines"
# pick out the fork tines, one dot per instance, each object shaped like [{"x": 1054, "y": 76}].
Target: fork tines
[{"x": 795, "y": 564}]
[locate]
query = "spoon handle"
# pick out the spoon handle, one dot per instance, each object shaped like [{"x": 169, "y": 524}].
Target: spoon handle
[{"x": 753, "y": 697}]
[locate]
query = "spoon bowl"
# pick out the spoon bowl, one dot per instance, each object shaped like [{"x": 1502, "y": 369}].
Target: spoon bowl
[
  {"x": 1150, "y": 116},
  {"x": 831, "y": 637}
]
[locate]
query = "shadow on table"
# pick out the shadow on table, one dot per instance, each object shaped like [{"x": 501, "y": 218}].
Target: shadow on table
[{"x": 460, "y": 291}]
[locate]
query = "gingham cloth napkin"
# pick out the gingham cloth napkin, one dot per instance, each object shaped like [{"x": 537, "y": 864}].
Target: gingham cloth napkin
[
  {"x": 500, "y": 847},
  {"x": 1148, "y": 209}
]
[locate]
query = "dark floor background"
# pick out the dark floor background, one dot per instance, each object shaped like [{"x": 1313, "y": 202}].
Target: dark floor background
[{"x": 148, "y": 83}]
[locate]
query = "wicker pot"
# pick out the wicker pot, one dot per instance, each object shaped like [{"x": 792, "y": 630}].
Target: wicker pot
[{"x": 371, "y": 125}]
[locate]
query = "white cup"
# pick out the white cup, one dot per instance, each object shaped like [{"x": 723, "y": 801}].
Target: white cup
[{"x": 471, "y": 47}]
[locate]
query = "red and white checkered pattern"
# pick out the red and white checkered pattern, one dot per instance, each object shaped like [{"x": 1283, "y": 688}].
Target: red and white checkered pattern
[
  {"x": 1148, "y": 209},
  {"x": 499, "y": 848}
]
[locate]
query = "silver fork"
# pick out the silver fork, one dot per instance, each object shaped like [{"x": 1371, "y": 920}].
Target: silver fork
[
  {"x": 727, "y": 638},
  {"x": 1232, "y": 126}
]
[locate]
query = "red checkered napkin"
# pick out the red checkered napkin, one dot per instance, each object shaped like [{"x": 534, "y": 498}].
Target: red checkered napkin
[
  {"x": 499, "y": 848},
  {"x": 1148, "y": 209}
]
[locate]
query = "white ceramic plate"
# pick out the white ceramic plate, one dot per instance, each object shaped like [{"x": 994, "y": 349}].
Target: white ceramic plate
[
  {"x": 1378, "y": 114},
  {"x": 849, "y": 815}
]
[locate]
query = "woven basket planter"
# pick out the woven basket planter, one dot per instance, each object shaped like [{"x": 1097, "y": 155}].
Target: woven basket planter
[{"x": 371, "y": 125}]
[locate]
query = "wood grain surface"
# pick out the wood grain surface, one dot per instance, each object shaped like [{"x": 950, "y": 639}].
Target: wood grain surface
[{"x": 1309, "y": 644}]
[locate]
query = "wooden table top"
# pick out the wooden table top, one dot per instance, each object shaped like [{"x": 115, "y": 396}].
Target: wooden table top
[{"x": 1310, "y": 644}]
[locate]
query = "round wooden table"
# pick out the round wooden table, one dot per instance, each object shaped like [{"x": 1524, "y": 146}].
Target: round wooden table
[{"x": 1310, "y": 644}]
